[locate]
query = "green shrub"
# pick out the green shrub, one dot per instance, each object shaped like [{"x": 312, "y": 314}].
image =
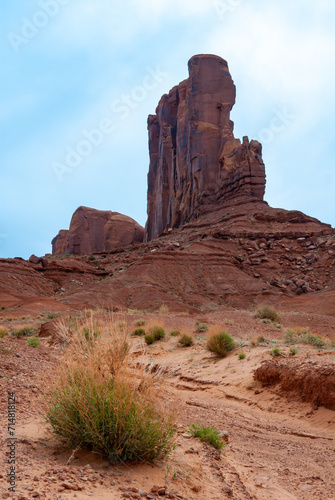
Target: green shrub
[
  {"x": 313, "y": 340},
  {"x": 277, "y": 325},
  {"x": 266, "y": 321},
  {"x": 24, "y": 331},
  {"x": 149, "y": 339},
  {"x": 290, "y": 337},
  {"x": 241, "y": 355},
  {"x": 139, "y": 332},
  {"x": 140, "y": 322},
  {"x": 53, "y": 315},
  {"x": 267, "y": 312},
  {"x": 186, "y": 340},
  {"x": 33, "y": 342},
  {"x": 157, "y": 332},
  {"x": 293, "y": 351},
  {"x": 207, "y": 434},
  {"x": 107, "y": 418},
  {"x": 96, "y": 403},
  {"x": 220, "y": 344},
  {"x": 276, "y": 352},
  {"x": 201, "y": 327},
  {"x": 175, "y": 333},
  {"x": 3, "y": 332},
  {"x": 261, "y": 339},
  {"x": 92, "y": 258}
]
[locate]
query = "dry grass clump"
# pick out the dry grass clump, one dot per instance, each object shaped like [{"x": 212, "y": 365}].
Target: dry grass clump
[
  {"x": 267, "y": 312},
  {"x": 3, "y": 332},
  {"x": 186, "y": 340},
  {"x": 163, "y": 309},
  {"x": 24, "y": 331},
  {"x": 99, "y": 403}
]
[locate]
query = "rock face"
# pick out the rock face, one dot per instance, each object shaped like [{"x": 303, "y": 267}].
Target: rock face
[
  {"x": 196, "y": 164},
  {"x": 96, "y": 231}
]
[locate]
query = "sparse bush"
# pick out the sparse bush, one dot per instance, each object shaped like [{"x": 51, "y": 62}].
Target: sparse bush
[
  {"x": 261, "y": 339},
  {"x": 99, "y": 404},
  {"x": 175, "y": 333},
  {"x": 207, "y": 434},
  {"x": 3, "y": 332},
  {"x": 220, "y": 344},
  {"x": 149, "y": 339},
  {"x": 157, "y": 332},
  {"x": 290, "y": 337},
  {"x": 241, "y": 355},
  {"x": 277, "y": 325},
  {"x": 163, "y": 309},
  {"x": 186, "y": 340},
  {"x": 267, "y": 312},
  {"x": 276, "y": 352},
  {"x": 140, "y": 322},
  {"x": 53, "y": 315},
  {"x": 313, "y": 340},
  {"x": 92, "y": 258},
  {"x": 24, "y": 331},
  {"x": 293, "y": 351},
  {"x": 201, "y": 327},
  {"x": 33, "y": 342},
  {"x": 139, "y": 332},
  {"x": 266, "y": 321}
]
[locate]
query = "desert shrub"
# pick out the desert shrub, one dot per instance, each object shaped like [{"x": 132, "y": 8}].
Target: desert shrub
[
  {"x": 220, "y": 344},
  {"x": 186, "y": 340},
  {"x": 3, "y": 332},
  {"x": 92, "y": 258},
  {"x": 261, "y": 339},
  {"x": 139, "y": 332},
  {"x": 163, "y": 309},
  {"x": 241, "y": 355},
  {"x": 149, "y": 339},
  {"x": 207, "y": 434},
  {"x": 290, "y": 337},
  {"x": 100, "y": 404},
  {"x": 33, "y": 342},
  {"x": 267, "y": 312},
  {"x": 157, "y": 332},
  {"x": 201, "y": 327},
  {"x": 313, "y": 340},
  {"x": 293, "y": 351},
  {"x": 277, "y": 325},
  {"x": 276, "y": 352},
  {"x": 24, "y": 331},
  {"x": 140, "y": 322},
  {"x": 175, "y": 333},
  {"x": 53, "y": 315},
  {"x": 266, "y": 321}
]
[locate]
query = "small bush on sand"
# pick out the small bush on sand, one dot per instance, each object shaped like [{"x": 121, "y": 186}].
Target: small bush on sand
[
  {"x": 293, "y": 351},
  {"x": 267, "y": 312},
  {"x": 220, "y": 344},
  {"x": 175, "y": 333},
  {"x": 24, "y": 331},
  {"x": 99, "y": 403},
  {"x": 33, "y": 342},
  {"x": 139, "y": 332},
  {"x": 241, "y": 355},
  {"x": 186, "y": 340},
  {"x": 276, "y": 352},
  {"x": 157, "y": 332},
  {"x": 149, "y": 339},
  {"x": 313, "y": 340},
  {"x": 3, "y": 332},
  {"x": 201, "y": 327},
  {"x": 140, "y": 322},
  {"x": 163, "y": 309},
  {"x": 207, "y": 434}
]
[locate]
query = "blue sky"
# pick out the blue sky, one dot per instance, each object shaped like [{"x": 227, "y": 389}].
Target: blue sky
[{"x": 74, "y": 69}]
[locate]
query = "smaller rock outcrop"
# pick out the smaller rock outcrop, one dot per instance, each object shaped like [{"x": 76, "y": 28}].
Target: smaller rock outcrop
[{"x": 94, "y": 231}]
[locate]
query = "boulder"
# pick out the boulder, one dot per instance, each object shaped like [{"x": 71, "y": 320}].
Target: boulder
[
  {"x": 196, "y": 164},
  {"x": 94, "y": 231}
]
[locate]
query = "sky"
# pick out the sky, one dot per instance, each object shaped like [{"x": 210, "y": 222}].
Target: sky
[{"x": 80, "y": 78}]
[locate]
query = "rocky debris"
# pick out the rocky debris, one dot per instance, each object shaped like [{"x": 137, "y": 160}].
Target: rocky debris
[
  {"x": 312, "y": 380},
  {"x": 196, "y": 164},
  {"x": 94, "y": 231}
]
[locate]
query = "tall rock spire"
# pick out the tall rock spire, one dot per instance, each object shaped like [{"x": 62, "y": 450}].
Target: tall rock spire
[{"x": 196, "y": 164}]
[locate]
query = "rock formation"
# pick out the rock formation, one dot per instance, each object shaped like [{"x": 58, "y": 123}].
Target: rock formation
[
  {"x": 97, "y": 231},
  {"x": 196, "y": 164}
]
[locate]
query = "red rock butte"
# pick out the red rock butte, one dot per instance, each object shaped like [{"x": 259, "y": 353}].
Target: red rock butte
[
  {"x": 196, "y": 163},
  {"x": 96, "y": 231}
]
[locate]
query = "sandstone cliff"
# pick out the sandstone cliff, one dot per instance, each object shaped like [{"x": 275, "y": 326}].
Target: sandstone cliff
[
  {"x": 196, "y": 164},
  {"x": 97, "y": 231}
]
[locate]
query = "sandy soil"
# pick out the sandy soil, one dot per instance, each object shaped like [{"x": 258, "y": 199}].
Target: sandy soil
[{"x": 279, "y": 447}]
